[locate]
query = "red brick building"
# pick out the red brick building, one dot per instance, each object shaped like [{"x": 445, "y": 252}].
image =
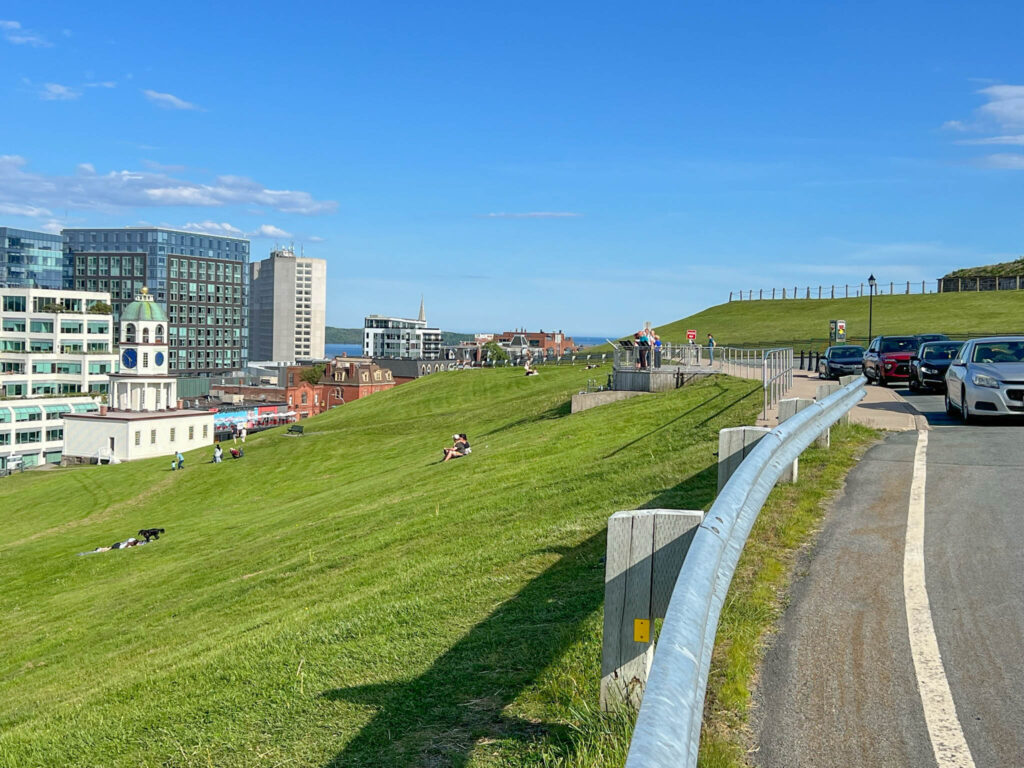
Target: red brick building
[
  {"x": 351, "y": 379},
  {"x": 554, "y": 343}
]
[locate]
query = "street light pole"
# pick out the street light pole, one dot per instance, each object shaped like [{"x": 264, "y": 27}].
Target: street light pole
[{"x": 871, "y": 300}]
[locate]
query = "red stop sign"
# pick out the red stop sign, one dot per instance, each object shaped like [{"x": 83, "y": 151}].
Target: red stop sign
[{"x": 691, "y": 335}]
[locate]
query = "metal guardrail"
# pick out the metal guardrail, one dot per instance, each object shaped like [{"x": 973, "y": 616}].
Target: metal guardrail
[{"x": 667, "y": 732}]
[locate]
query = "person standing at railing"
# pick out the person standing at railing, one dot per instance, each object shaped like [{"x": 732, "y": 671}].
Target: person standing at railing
[
  {"x": 643, "y": 347},
  {"x": 657, "y": 349},
  {"x": 711, "y": 349}
]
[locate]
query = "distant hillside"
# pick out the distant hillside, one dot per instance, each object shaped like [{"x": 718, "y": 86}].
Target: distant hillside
[
  {"x": 355, "y": 336},
  {"x": 805, "y": 322},
  {"x": 1006, "y": 269}
]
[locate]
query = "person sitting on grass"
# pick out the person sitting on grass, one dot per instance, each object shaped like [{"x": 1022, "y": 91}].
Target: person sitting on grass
[
  {"x": 237, "y": 453},
  {"x": 459, "y": 449}
]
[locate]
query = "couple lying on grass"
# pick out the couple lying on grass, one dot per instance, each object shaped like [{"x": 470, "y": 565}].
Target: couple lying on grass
[{"x": 459, "y": 449}]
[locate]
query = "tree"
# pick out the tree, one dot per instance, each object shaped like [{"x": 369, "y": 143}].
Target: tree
[
  {"x": 52, "y": 307},
  {"x": 495, "y": 352},
  {"x": 100, "y": 308},
  {"x": 314, "y": 374}
]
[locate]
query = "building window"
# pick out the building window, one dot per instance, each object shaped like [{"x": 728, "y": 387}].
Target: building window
[
  {"x": 206, "y": 430},
  {"x": 145, "y": 359},
  {"x": 138, "y": 437},
  {"x": 191, "y": 433},
  {"x": 152, "y": 437},
  {"x": 172, "y": 434},
  {"x": 54, "y": 434}
]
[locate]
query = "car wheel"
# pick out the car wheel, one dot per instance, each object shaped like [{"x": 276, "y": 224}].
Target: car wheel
[
  {"x": 950, "y": 410},
  {"x": 965, "y": 410},
  {"x": 881, "y": 380},
  {"x": 913, "y": 384}
]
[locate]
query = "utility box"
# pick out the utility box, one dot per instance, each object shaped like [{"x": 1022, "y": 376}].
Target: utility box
[{"x": 837, "y": 332}]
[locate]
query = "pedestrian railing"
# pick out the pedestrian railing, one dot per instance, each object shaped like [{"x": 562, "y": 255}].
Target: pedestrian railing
[{"x": 667, "y": 732}]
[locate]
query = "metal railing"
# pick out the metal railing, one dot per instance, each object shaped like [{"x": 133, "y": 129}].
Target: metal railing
[
  {"x": 776, "y": 375},
  {"x": 667, "y": 732}
]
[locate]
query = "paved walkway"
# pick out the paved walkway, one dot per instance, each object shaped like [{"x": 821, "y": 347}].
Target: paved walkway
[{"x": 881, "y": 408}]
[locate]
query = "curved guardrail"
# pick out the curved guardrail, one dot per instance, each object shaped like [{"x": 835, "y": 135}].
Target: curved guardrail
[{"x": 667, "y": 732}]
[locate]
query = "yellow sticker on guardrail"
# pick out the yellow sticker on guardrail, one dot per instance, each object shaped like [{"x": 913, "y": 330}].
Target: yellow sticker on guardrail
[{"x": 641, "y": 630}]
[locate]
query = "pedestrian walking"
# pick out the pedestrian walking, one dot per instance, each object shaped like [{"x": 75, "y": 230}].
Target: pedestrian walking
[
  {"x": 711, "y": 349},
  {"x": 234, "y": 434},
  {"x": 181, "y": 460},
  {"x": 243, "y": 434}
]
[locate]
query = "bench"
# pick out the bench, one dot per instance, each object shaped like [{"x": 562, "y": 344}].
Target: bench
[{"x": 294, "y": 429}]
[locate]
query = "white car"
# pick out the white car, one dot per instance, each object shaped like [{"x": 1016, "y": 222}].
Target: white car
[{"x": 987, "y": 378}]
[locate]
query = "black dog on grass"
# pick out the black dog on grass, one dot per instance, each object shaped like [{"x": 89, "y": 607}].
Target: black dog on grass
[{"x": 150, "y": 533}]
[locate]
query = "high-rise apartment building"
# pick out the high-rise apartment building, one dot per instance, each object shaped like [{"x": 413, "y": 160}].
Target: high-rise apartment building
[
  {"x": 30, "y": 259},
  {"x": 400, "y": 337},
  {"x": 201, "y": 280},
  {"x": 287, "y": 307}
]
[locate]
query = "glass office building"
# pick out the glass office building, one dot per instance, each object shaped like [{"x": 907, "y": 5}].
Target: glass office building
[
  {"x": 30, "y": 259},
  {"x": 201, "y": 280}
]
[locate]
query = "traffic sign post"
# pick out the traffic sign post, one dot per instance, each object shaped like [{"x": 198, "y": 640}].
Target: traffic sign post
[{"x": 691, "y": 335}]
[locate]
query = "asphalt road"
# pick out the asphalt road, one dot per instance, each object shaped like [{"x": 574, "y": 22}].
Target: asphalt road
[{"x": 839, "y": 685}]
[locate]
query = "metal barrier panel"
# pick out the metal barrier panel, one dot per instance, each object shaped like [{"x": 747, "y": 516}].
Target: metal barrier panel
[{"x": 667, "y": 732}]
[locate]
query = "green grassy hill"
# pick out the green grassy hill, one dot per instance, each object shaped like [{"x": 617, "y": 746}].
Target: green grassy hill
[
  {"x": 1006, "y": 269},
  {"x": 341, "y": 599},
  {"x": 805, "y": 322}
]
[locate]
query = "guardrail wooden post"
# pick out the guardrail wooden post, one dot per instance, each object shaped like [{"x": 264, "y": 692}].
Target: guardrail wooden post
[
  {"x": 791, "y": 406},
  {"x": 734, "y": 443},
  {"x": 646, "y": 549}
]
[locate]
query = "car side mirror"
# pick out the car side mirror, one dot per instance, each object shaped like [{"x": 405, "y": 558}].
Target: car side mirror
[{"x": 915, "y": 357}]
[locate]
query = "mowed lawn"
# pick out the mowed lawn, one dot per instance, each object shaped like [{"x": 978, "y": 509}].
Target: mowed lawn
[
  {"x": 805, "y": 322},
  {"x": 341, "y": 599}
]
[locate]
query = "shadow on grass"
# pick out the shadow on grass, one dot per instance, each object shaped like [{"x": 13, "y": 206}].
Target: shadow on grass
[
  {"x": 684, "y": 414},
  {"x": 555, "y": 412},
  {"x": 437, "y": 718}
]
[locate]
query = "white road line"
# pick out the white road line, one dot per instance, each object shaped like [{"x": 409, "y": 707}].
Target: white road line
[{"x": 944, "y": 729}]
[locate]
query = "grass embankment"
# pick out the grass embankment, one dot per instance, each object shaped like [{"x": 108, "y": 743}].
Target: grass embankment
[
  {"x": 340, "y": 599},
  {"x": 1006, "y": 269},
  {"x": 805, "y": 322}
]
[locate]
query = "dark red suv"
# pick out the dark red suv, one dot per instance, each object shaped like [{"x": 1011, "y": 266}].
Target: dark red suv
[{"x": 888, "y": 358}]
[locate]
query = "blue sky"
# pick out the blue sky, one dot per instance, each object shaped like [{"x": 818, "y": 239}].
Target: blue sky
[{"x": 584, "y": 166}]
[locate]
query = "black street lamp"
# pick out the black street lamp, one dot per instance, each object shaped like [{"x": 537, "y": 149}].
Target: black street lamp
[{"x": 871, "y": 299}]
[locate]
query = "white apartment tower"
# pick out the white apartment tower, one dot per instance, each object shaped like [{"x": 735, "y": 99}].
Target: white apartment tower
[
  {"x": 287, "y": 307},
  {"x": 401, "y": 337}
]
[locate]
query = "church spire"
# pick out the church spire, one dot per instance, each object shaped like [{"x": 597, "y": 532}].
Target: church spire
[{"x": 423, "y": 312}]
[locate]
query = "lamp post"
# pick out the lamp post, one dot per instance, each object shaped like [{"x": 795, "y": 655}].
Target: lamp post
[{"x": 871, "y": 299}]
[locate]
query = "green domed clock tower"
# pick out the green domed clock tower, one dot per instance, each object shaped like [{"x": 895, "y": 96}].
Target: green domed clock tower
[{"x": 143, "y": 382}]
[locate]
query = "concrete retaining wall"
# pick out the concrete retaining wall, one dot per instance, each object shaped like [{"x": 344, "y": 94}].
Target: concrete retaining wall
[{"x": 586, "y": 400}]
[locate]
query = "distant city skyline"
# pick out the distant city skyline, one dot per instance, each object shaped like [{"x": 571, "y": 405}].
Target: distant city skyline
[{"x": 565, "y": 166}]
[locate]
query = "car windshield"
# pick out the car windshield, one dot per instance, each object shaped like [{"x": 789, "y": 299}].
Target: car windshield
[
  {"x": 847, "y": 352},
  {"x": 899, "y": 344},
  {"x": 999, "y": 352},
  {"x": 940, "y": 351}
]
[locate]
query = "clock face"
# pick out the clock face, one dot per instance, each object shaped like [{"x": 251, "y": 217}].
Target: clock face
[
  {"x": 129, "y": 358},
  {"x": 159, "y": 359}
]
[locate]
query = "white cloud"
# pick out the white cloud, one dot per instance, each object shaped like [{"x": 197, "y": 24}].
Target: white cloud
[
  {"x": 14, "y": 33},
  {"x": 1005, "y": 105},
  {"x": 954, "y": 125},
  {"x": 130, "y": 188},
  {"x": 269, "y": 230},
  {"x": 16, "y": 209},
  {"x": 214, "y": 228},
  {"x": 162, "y": 167},
  {"x": 58, "y": 92},
  {"x": 1007, "y": 140},
  {"x": 1005, "y": 161},
  {"x": 86, "y": 168},
  {"x": 315, "y": 239},
  {"x": 169, "y": 100},
  {"x": 102, "y": 84},
  {"x": 534, "y": 215}
]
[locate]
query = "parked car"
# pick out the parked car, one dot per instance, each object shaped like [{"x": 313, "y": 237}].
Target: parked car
[
  {"x": 987, "y": 377},
  {"x": 923, "y": 337},
  {"x": 888, "y": 358},
  {"x": 929, "y": 364},
  {"x": 840, "y": 360}
]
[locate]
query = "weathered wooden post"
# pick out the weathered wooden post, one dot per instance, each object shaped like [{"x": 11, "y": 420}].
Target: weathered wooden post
[{"x": 645, "y": 552}]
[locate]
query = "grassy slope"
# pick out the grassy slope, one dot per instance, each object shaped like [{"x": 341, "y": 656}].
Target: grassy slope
[
  {"x": 339, "y": 599},
  {"x": 1005, "y": 269},
  {"x": 806, "y": 322}
]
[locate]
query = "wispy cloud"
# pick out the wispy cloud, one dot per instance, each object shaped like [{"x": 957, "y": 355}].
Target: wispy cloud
[
  {"x": 103, "y": 84},
  {"x": 169, "y": 100},
  {"x": 1005, "y": 161},
  {"x": 58, "y": 92},
  {"x": 224, "y": 228},
  {"x": 1005, "y": 105},
  {"x": 955, "y": 125},
  {"x": 153, "y": 164},
  {"x": 16, "y": 209},
  {"x": 131, "y": 188},
  {"x": 1017, "y": 140},
  {"x": 14, "y": 33},
  {"x": 533, "y": 215}
]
